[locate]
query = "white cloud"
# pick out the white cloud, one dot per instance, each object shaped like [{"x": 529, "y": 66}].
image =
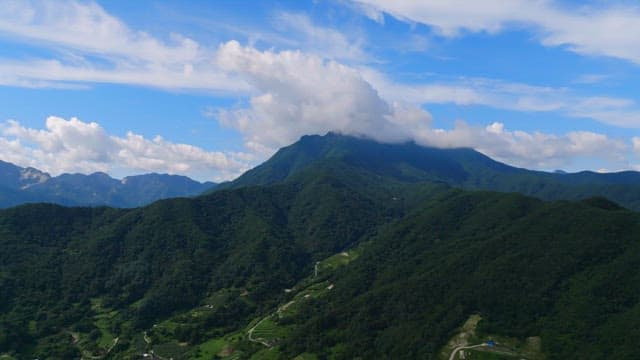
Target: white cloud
[
  {"x": 76, "y": 146},
  {"x": 636, "y": 144},
  {"x": 528, "y": 149},
  {"x": 90, "y": 45},
  {"x": 303, "y": 94},
  {"x": 94, "y": 46},
  {"x": 294, "y": 92},
  {"x": 608, "y": 30},
  {"x": 88, "y": 27},
  {"x": 591, "y": 79},
  {"x": 537, "y": 149},
  {"x": 326, "y": 42},
  {"x": 80, "y": 31},
  {"x": 510, "y": 96},
  {"x": 53, "y": 73}
]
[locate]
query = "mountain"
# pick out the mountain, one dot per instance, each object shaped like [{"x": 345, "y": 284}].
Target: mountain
[
  {"x": 132, "y": 191},
  {"x": 463, "y": 168},
  {"x": 15, "y": 177},
  {"x": 28, "y": 185},
  {"x": 60, "y": 267},
  {"x": 331, "y": 262},
  {"x": 557, "y": 272}
]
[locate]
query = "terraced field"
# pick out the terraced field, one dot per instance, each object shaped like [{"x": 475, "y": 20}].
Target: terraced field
[
  {"x": 268, "y": 331},
  {"x": 259, "y": 338}
]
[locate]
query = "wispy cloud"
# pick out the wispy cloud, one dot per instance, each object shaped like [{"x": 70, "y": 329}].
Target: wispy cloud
[
  {"x": 591, "y": 79},
  {"x": 92, "y": 46},
  {"x": 56, "y": 74},
  {"x": 320, "y": 40},
  {"x": 80, "y": 31},
  {"x": 500, "y": 94},
  {"x": 319, "y": 86},
  {"x": 604, "y": 30}
]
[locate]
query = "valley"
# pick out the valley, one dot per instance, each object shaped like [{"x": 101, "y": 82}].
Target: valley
[{"x": 319, "y": 180}]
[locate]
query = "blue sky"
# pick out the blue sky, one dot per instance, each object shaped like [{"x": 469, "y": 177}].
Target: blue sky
[{"x": 209, "y": 89}]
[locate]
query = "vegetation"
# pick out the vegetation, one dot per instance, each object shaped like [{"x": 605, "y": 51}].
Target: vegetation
[
  {"x": 463, "y": 168},
  {"x": 527, "y": 266},
  {"x": 335, "y": 261}
]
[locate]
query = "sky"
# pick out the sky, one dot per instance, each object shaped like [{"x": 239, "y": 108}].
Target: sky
[{"x": 209, "y": 89}]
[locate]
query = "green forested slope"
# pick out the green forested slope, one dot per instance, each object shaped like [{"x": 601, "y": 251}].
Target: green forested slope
[
  {"x": 182, "y": 276},
  {"x": 153, "y": 261},
  {"x": 463, "y": 168},
  {"x": 561, "y": 270}
]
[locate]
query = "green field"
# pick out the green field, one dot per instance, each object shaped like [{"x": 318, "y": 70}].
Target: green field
[
  {"x": 210, "y": 349},
  {"x": 103, "y": 323},
  {"x": 162, "y": 337},
  {"x": 335, "y": 261},
  {"x": 170, "y": 350},
  {"x": 224, "y": 347},
  {"x": 269, "y": 330}
]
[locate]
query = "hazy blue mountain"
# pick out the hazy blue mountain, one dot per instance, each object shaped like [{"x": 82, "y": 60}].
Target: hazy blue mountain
[
  {"x": 26, "y": 185},
  {"x": 461, "y": 167},
  {"x": 17, "y": 178}
]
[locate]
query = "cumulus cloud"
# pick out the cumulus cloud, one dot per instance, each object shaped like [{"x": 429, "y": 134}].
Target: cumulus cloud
[
  {"x": 82, "y": 32},
  {"x": 303, "y": 94},
  {"x": 608, "y": 30},
  {"x": 528, "y": 149},
  {"x": 292, "y": 93},
  {"x": 76, "y": 146}
]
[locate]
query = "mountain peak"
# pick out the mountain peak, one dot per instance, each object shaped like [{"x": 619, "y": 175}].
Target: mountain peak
[
  {"x": 459, "y": 167},
  {"x": 406, "y": 161},
  {"x": 31, "y": 176}
]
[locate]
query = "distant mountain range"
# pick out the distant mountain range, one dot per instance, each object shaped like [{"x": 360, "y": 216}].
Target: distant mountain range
[
  {"x": 20, "y": 185},
  {"x": 462, "y": 167},
  {"x": 406, "y": 162}
]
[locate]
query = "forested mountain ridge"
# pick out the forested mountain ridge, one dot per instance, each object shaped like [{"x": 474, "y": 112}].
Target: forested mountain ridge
[
  {"x": 461, "y": 167},
  {"x": 151, "y": 262},
  {"x": 28, "y": 185},
  {"x": 252, "y": 272},
  {"x": 558, "y": 270}
]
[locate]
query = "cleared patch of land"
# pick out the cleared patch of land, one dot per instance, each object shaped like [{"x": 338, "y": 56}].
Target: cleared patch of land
[{"x": 468, "y": 344}]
